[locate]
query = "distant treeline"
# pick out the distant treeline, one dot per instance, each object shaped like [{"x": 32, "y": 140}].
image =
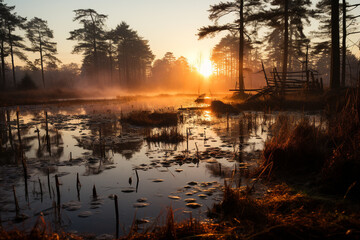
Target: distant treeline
[{"x": 120, "y": 57}]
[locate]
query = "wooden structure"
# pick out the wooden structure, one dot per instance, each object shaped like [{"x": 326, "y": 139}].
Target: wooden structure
[{"x": 304, "y": 81}]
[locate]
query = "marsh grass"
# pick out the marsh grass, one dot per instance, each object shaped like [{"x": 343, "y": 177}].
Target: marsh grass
[
  {"x": 151, "y": 119},
  {"x": 40, "y": 231},
  {"x": 295, "y": 150},
  {"x": 329, "y": 158}
]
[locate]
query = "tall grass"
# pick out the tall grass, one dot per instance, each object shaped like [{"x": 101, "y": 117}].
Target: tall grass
[{"x": 329, "y": 158}]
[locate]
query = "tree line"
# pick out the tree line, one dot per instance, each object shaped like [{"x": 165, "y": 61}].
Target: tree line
[
  {"x": 284, "y": 43},
  {"x": 115, "y": 57},
  {"x": 272, "y": 31}
]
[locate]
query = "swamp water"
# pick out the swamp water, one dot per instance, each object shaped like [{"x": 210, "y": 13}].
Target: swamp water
[{"x": 90, "y": 141}]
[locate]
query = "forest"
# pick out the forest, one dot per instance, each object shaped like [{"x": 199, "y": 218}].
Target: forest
[{"x": 121, "y": 57}]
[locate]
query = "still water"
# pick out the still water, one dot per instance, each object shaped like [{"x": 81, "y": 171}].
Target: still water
[{"x": 91, "y": 141}]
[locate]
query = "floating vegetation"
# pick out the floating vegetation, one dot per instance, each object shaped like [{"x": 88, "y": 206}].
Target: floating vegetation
[
  {"x": 85, "y": 214},
  {"x": 174, "y": 197},
  {"x": 140, "y": 205},
  {"x": 158, "y": 180},
  {"x": 193, "y": 205}
]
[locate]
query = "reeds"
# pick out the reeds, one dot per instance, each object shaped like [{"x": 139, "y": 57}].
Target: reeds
[{"x": 329, "y": 158}]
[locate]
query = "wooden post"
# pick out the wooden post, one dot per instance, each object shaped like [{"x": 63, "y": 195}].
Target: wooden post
[
  {"x": 78, "y": 185},
  {"x": 41, "y": 190},
  {"x": 117, "y": 216},
  {"x": 17, "y": 208},
  {"x": 9, "y": 127},
  {"x": 48, "y": 179}
]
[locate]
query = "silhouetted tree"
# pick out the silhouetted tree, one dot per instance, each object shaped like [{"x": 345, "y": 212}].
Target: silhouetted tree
[
  {"x": 90, "y": 38},
  {"x": 286, "y": 18},
  {"x": 15, "y": 42},
  {"x": 40, "y": 36},
  {"x": 134, "y": 56},
  {"x": 4, "y": 12},
  {"x": 236, "y": 27},
  {"x": 335, "y": 46}
]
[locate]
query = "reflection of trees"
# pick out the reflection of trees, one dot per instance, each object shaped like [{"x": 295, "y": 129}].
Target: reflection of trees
[
  {"x": 30, "y": 139},
  {"x": 108, "y": 134},
  {"x": 98, "y": 167}
]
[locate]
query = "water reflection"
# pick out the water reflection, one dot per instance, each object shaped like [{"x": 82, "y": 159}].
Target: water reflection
[{"x": 88, "y": 145}]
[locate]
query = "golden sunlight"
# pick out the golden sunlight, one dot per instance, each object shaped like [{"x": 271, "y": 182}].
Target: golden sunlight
[{"x": 206, "y": 68}]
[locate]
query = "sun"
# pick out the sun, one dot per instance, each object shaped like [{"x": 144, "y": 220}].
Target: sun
[{"x": 206, "y": 68}]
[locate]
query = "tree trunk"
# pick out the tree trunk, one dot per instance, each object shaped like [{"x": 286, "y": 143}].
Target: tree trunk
[
  {"x": 12, "y": 57},
  {"x": 111, "y": 65},
  {"x": 3, "y": 64},
  {"x": 42, "y": 65},
  {"x": 335, "y": 46},
  {"x": 241, "y": 48},
  {"x": 286, "y": 46},
  {"x": 96, "y": 60},
  {"x": 343, "y": 65}
]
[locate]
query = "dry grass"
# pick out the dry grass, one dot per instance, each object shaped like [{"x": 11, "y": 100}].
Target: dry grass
[
  {"x": 41, "y": 231},
  {"x": 330, "y": 159},
  {"x": 341, "y": 169},
  {"x": 299, "y": 150},
  {"x": 151, "y": 119}
]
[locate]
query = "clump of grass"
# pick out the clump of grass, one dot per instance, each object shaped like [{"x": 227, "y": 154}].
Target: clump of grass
[
  {"x": 188, "y": 229},
  {"x": 295, "y": 150},
  {"x": 220, "y": 107},
  {"x": 328, "y": 158},
  {"x": 151, "y": 119},
  {"x": 340, "y": 173},
  {"x": 238, "y": 207},
  {"x": 166, "y": 135},
  {"x": 40, "y": 231}
]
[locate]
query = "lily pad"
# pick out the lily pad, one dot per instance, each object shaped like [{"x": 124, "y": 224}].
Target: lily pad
[
  {"x": 140, "y": 205},
  {"x": 158, "y": 180},
  {"x": 193, "y": 205},
  {"x": 174, "y": 197},
  {"x": 128, "y": 190},
  {"x": 85, "y": 214}
]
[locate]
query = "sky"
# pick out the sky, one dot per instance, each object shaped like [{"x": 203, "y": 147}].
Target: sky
[{"x": 169, "y": 25}]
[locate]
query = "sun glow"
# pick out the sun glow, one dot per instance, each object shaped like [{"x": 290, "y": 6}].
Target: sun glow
[{"x": 206, "y": 68}]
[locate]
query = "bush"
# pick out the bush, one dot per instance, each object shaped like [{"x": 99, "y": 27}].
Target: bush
[{"x": 27, "y": 83}]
